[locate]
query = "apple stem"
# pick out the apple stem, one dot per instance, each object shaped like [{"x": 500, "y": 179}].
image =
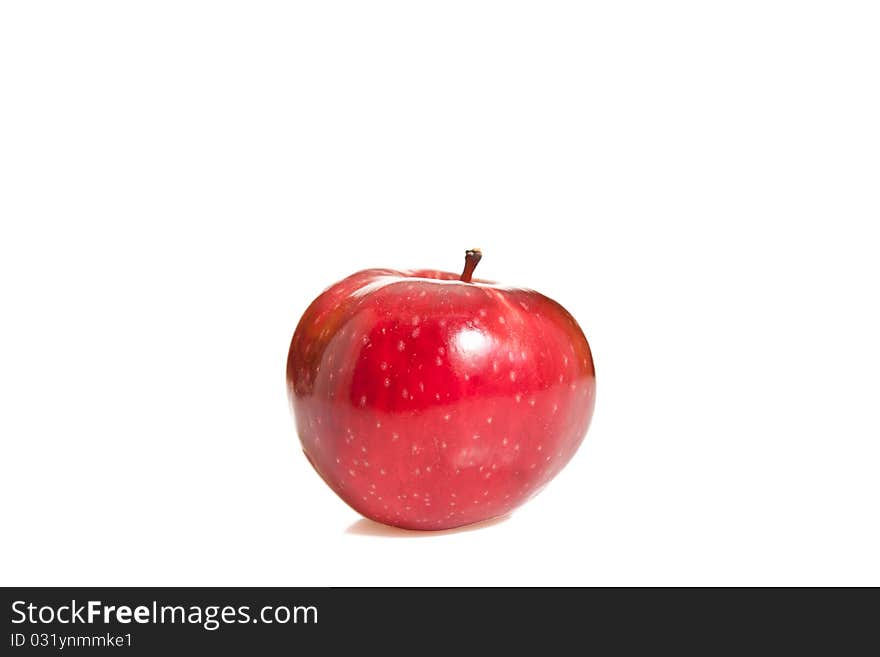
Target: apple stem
[{"x": 471, "y": 260}]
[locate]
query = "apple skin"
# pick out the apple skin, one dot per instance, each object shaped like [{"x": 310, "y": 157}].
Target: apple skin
[{"x": 428, "y": 403}]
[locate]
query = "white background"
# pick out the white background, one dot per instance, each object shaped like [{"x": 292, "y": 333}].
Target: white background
[{"x": 697, "y": 182}]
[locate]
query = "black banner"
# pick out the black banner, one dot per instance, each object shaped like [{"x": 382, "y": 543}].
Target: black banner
[{"x": 152, "y": 621}]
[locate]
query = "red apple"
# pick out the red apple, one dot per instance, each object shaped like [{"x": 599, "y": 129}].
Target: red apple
[{"x": 428, "y": 400}]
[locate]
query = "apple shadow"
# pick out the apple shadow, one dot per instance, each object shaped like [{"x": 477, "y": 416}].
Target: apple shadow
[{"x": 367, "y": 527}]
